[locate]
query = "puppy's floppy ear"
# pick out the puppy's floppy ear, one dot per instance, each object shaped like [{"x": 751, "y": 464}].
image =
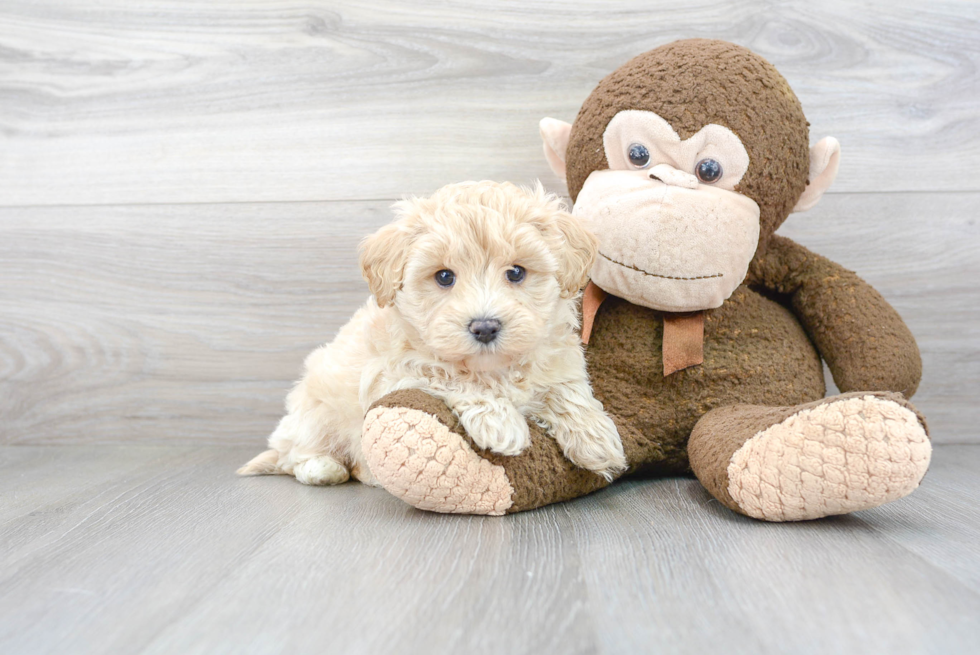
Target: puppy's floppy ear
[
  {"x": 576, "y": 253},
  {"x": 383, "y": 256}
]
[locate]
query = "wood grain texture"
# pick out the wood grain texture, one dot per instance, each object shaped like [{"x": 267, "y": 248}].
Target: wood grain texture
[
  {"x": 188, "y": 323},
  {"x": 165, "y": 101},
  {"x": 163, "y": 550},
  {"x": 168, "y": 323}
]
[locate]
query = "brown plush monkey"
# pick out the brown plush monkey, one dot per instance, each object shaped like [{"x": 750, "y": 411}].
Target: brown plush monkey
[{"x": 705, "y": 330}]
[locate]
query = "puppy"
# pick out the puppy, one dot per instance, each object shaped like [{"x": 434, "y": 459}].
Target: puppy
[{"x": 474, "y": 301}]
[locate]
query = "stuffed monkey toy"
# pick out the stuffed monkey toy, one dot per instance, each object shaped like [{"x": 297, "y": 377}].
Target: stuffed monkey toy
[{"x": 705, "y": 331}]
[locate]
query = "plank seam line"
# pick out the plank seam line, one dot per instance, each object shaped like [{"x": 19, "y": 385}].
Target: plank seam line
[{"x": 392, "y": 200}]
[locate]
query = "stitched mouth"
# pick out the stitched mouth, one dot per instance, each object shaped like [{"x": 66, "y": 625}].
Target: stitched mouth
[{"x": 663, "y": 277}]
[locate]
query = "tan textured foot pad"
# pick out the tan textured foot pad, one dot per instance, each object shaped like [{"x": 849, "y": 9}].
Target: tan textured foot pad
[
  {"x": 417, "y": 458},
  {"x": 838, "y": 457}
]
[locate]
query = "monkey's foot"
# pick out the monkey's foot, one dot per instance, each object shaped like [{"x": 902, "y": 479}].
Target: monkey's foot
[
  {"x": 417, "y": 451},
  {"x": 834, "y": 456}
]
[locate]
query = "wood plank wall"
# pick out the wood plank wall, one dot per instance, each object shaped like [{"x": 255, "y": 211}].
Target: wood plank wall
[{"x": 183, "y": 184}]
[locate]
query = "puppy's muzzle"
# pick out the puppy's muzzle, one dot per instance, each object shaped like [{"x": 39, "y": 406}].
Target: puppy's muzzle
[{"x": 484, "y": 330}]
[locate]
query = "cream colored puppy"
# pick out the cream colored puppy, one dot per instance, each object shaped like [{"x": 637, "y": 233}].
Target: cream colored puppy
[{"x": 474, "y": 301}]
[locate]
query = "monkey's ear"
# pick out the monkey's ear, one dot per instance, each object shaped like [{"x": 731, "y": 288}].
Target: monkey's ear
[
  {"x": 824, "y": 162},
  {"x": 383, "y": 256},
  {"x": 555, "y": 133}
]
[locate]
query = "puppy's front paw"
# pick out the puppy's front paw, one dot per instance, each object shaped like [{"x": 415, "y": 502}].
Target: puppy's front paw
[
  {"x": 593, "y": 443},
  {"x": 496, "y": 426}
]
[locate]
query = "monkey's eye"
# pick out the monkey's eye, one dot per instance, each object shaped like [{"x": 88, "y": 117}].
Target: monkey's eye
[
  {"x": 638, "y": 155},
  {"x": 516, "y": 274},
  {"x": 445, "y": 278},
  {"x": 708, "y": 171}
]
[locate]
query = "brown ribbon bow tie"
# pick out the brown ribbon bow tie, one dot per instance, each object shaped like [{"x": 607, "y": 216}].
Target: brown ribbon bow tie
[{"x": 683, "y": 332}]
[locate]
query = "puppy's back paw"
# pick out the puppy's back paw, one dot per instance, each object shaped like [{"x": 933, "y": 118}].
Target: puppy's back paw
[{"x": 321, "y": 470}]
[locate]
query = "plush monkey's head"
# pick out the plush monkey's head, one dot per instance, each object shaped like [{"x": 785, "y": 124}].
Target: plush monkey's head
[{"x": 684, "y": 161}]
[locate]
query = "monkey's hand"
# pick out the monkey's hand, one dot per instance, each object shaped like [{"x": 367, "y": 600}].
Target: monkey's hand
[{"x": 862, "y": 338}]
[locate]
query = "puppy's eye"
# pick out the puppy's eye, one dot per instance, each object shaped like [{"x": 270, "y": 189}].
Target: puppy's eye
[
  {"x": 708, "y": 171},
  {"x": 445, "y": 278},
  {"x": 638, "y": 155},
  {"x": 516, "y": 274}
]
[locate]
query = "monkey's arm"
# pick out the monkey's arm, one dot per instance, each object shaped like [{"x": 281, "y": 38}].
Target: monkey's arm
[{"x": 862, "y": 338}]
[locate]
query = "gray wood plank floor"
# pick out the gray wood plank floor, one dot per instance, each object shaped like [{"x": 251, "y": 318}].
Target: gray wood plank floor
[
  {"x": 163, "y": 101},
  {"x": 140, "y": 549}
]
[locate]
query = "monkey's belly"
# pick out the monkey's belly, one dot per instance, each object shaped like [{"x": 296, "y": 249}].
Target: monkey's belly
[{"x": 755, "y": 352}]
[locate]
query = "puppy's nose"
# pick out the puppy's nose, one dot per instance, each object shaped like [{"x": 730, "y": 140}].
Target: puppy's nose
[{"x": 484, "y": 330}]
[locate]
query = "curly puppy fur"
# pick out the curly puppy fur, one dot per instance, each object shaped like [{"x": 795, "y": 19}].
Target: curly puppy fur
[{"x": 415, "y": 333}]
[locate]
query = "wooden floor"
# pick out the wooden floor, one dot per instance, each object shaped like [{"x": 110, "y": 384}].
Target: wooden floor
[{"x": 145, "y": 549}]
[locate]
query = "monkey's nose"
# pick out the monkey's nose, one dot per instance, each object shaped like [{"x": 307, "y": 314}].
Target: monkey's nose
[
  {"x": 484, "y": 330},
  {"x": 673, "y": 177}
]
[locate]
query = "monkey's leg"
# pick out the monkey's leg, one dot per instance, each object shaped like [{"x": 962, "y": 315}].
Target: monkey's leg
[
  {"x": 833, "y": 456},
  {"x": 417, "y": 451}
]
